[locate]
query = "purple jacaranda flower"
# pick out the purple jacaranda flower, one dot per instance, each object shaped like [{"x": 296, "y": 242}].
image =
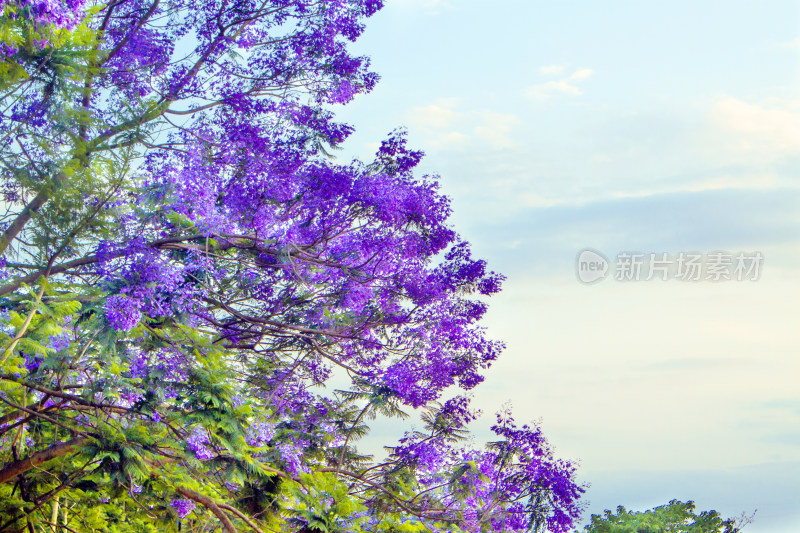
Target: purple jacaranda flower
[
  {"x": 182, "y": 507},
  {"x": 123, "y": 312},
  {"x": 199, "y": 443}
]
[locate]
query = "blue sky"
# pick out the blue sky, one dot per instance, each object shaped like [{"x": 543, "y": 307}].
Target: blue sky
[{"x": 654, "y": 127}]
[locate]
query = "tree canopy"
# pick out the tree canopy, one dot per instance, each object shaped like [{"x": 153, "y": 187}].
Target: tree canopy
[
  {"x": 674, "y": 517},
  {"x": 187, "y": 271}
]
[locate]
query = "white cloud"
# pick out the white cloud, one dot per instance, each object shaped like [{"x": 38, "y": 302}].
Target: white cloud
[
  {"x": 496, "y": 129},
  {"x": 566, "y": 85},
  {"x": 441, "y": 122},
  {"x": 450, "y": 139},
  {"x": 548, "y": 89},
  {"x": 446, "y": 126},
  {"x": 552, "y": 70},
  {"x": 438, "y": 115},
  {"x": 581, "y": 74},
  {"x": 764, "y": 132}
]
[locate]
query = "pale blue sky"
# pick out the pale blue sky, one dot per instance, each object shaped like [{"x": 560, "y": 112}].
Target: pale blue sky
[{"x": 656, "y": 127}]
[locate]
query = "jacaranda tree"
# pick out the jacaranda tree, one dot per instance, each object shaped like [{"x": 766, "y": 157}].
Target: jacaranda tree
[{"x": 187, "y": 272}]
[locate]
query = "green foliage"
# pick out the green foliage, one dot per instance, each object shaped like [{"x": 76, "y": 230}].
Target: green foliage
[
  {"x": 674, "y": 517},
  {"x": 323, "y": 502}
]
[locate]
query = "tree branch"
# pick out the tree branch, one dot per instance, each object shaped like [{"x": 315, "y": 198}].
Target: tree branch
[
  {"x": 12, "y": 470},
  {"x": 242, "y": 516},
  {"x": 211, "y": 505},
  {"x": 27, "y": 213}
]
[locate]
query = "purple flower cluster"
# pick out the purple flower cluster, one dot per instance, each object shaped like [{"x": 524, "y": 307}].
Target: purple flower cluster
[
  {"x": 260, "y": 433},
  {"x": 58, "y": 13},
  {"x": 157, "y": 368},
  {"x": 123, "y": 312},
  {"x": 8, "y": 50},
  {"x": 199, "y": 442},
  {"x": 5, "y": 325},
  {"x": 511, "y": 485},
  {"x": 363, "y": 237},
  {"x": 149, "y": 283},
  {"x": 59, "y": 342},
  {"x": 291, "y": 455},
  {"x": 182, "y": 507},
  {"x": 32, "y": 362},
  {"x": 539, "y": 472},
  {"x": 32, "y": 23}
]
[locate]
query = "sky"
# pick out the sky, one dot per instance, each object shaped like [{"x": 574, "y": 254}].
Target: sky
[{"x": 620, "y": 126}]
